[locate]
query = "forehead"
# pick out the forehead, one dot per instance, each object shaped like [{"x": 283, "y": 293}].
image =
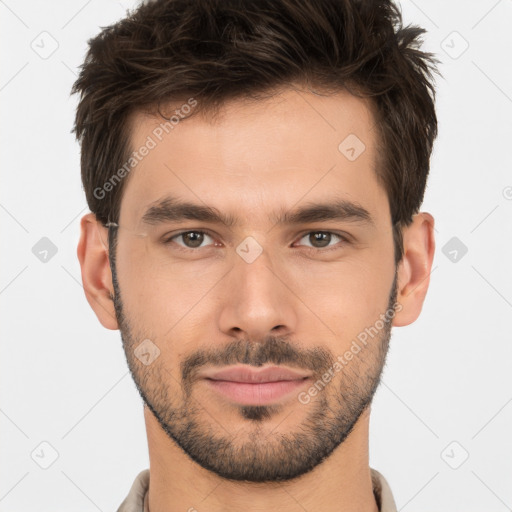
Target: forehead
[{"x": 257, "y": 157}]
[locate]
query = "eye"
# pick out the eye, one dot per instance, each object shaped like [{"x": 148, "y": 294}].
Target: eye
[
  {"x": 192, "y": 239},
  {"x": 321, "y": 239}
]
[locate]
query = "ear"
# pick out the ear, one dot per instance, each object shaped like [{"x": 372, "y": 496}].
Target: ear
[
  {"x": 92, "y": 252},
  {"x": 415, "y": 268}
]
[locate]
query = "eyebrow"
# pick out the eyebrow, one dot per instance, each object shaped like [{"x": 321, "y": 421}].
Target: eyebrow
[{"x": 172, "y": 209}]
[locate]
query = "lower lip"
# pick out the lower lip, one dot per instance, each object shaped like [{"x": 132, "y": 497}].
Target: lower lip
[{"x": 260, "y": 393}]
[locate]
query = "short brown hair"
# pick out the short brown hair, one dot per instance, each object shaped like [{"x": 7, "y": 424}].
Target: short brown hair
[{"x": 219, "y": 50}]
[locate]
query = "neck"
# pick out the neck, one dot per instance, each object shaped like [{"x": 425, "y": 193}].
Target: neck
[{"x": 341, "y": 483}]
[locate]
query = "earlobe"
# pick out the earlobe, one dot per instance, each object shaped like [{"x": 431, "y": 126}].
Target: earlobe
[
  {"x": 415, "y": 268},
  {"x": 95, "y": 267}
]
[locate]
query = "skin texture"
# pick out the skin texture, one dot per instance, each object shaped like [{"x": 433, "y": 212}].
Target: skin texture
[{"x": 291, "y": 306}]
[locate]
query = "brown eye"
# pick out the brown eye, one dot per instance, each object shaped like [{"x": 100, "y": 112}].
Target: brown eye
[
  {"x": 190, "y": 239},
  {"x": 320, "y": 240},
  {"x": 193, "y": 239}
]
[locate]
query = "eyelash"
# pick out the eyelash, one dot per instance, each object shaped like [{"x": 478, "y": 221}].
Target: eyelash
[{"x": 169, "y": 240}]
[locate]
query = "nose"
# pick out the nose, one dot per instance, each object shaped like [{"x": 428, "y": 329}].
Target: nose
[{"x": 257, "y": 301}]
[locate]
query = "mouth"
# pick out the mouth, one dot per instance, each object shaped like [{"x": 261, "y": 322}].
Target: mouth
[{"x": 246, "y": 385}]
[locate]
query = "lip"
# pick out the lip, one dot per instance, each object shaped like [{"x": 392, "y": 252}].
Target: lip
[
  {"x": 255, "y": 386},
  {"x": 255, "y": 375}
]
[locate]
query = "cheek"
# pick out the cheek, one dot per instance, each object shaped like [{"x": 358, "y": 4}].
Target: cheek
[
  {"x": 155, "y": 290},
  {"x": 346, "y": 297}
]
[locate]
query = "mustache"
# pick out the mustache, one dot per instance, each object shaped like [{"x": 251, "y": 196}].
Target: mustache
[{"x": 273, "y": 350}]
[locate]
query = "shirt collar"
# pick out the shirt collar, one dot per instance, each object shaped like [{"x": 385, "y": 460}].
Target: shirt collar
[{"x": 137, "y": 499}]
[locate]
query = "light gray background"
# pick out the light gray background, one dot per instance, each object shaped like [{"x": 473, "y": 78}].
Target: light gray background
[{"x": 446, "y": 391}]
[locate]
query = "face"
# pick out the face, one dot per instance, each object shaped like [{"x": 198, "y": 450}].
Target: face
[{"x": 256, "y": 318}]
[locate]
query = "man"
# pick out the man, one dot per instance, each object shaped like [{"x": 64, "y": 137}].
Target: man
[{"x": 254, "y": 172}]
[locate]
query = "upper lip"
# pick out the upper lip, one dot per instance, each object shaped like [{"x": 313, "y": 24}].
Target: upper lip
[{"x": 255, "y": 375}]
